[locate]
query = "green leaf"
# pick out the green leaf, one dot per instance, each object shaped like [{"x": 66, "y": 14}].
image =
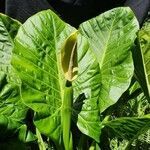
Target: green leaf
[
  {"x": 102, "y": 84},
  {"x": 129, "y": 128},
  {"x": 12, "y": 111},
  {"x": 36, "y": 58},
  {"x": 142, "y": 59},
  {"x": 8, "y": 30},
  {"x": 111, "y": 36},
  {"x": 85, "y": 110}
]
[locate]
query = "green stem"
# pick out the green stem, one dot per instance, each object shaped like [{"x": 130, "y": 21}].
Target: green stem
[
  {"x": 66, "y": 116},
  {"x": 40, "y": 140}
]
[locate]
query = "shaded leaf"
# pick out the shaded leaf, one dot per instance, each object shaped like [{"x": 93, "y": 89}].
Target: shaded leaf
[
  {"x": 13, "y": 144},
  {"x": 25, "y": 135},
  {"x": 129, "y": 128}
]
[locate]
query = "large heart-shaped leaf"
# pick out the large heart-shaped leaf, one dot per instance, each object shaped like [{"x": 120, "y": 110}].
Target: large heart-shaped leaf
[
  {"x": 142, "y": 59},
  {"x": 105, "y": 65},
  {"x": 111, "y": 36},
  {"x": 12, "y": 111},
  {"x": 37, "y": 60}
]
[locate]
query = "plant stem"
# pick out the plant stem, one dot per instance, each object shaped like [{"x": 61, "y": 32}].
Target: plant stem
[
  {"x": 66, "y": 116},
  {"x": 40, "y": 140}
]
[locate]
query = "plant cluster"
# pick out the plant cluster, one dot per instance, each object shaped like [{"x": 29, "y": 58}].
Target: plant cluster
[{"x": 63, "y": 88}]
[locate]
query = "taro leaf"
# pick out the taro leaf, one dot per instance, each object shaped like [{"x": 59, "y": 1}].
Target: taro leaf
[
  {"x": 12, "y": 111},
  {"x": 142, "y": 59},
  {"x": 8, "y": 31},
  {"x": 129, "y": 128},
  {"x": 111, "y": 36},
  {"x": 36, "y": 58},
  {"x": 91, "y": 79}
]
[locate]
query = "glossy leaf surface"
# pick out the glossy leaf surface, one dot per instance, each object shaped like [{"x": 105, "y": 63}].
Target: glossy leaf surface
[
  {"x": 12, "y": 111},
  {"x": 86, "y": 109},
  {"x": 8, "y": 31},
  {"x": 111, "y": 36},
  {"x": 37, "y": 61}
]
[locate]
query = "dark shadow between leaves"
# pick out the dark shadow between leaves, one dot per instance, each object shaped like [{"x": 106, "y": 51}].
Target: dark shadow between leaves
[{"x": 77, "y": 106}]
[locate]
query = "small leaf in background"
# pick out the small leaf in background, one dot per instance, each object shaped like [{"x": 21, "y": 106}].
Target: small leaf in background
[
  {"x": 25, "y": 135},
  {"x": 129, "y": 128}
]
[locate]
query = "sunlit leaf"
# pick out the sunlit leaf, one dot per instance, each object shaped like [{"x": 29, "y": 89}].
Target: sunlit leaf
[
  {"x": 36, "y": 58},
  {"x": 12, "y": 111},
  {"x": 111, "y": 36}
]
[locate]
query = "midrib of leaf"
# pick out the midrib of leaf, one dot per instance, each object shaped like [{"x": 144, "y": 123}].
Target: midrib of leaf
[
  {"x": 58, "y": 64},
  {"x": 106, "y": 45}
]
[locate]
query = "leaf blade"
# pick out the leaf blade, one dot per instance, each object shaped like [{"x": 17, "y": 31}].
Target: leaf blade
[
  {"x": 12, "y": 112},
  {"x": 111, "y": 40},
  {"x": 37, "y": 61}
]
